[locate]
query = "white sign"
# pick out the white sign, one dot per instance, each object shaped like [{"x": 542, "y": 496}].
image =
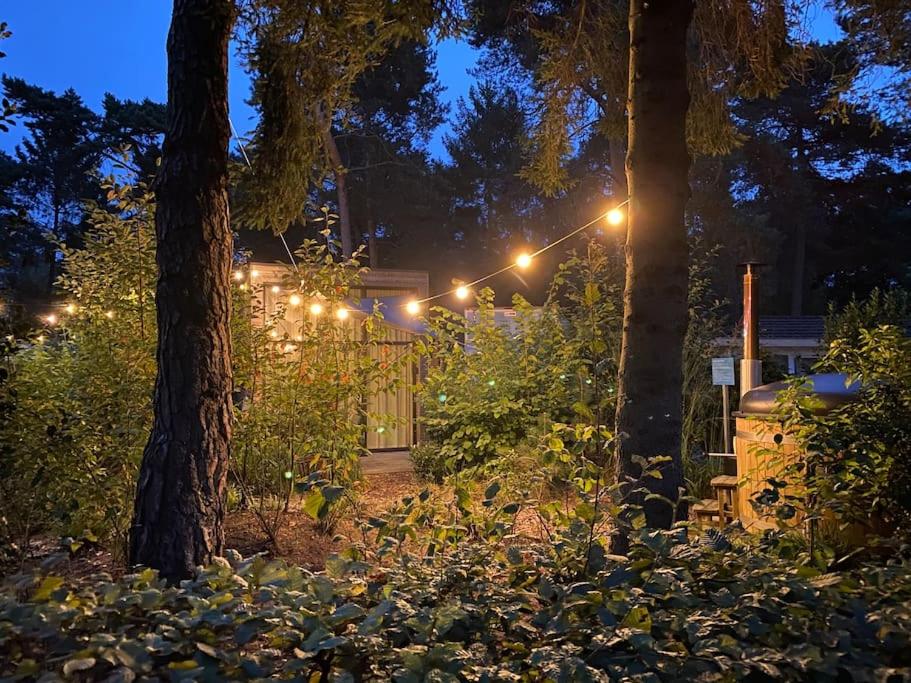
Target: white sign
[{"x": 723, "y": 372}]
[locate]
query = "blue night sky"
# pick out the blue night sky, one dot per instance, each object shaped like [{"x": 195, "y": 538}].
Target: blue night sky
[{"x": 98, "y": 46}]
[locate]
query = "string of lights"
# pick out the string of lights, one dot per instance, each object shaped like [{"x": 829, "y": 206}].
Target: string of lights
[
  {"x": 523, "y": 260},
  {"x": 615, "y": 216}
]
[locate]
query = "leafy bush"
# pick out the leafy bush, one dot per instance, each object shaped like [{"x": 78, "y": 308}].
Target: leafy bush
[
  {"x": 78, "y": 394},
  {"x": 429, "y": 462},
  {"x": 486, "y": 388},
  {"x": 858, "y": 463},
  {"x": 482, "y": 611},
  {"x": 308, "y": 378}
]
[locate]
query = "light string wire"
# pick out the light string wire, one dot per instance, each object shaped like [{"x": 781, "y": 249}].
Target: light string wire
[
  {"x": 473, "y": 283},
  {"x": 535, "y": 254},
  {"x": 243, "y": 151}
]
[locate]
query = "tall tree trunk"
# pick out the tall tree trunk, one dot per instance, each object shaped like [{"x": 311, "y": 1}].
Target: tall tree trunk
[
  {"x": 650, "y": 399},
  {"x": 341, "y": 188},
  {"x": 179, "y": 511}
]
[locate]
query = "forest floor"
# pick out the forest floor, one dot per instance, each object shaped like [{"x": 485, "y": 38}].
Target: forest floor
[{"x": 300, "y": 541}]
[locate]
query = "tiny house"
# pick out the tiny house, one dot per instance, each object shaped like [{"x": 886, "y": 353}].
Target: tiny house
[{"x": 391, "y": 289}]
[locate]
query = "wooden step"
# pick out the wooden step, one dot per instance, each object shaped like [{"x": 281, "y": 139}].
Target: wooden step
[
  {"x": 707, "y": 506},
  {"x": 725, "y": 481}
]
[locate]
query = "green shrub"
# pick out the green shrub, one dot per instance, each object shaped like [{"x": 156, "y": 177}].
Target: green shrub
[
  {"x": 486, "y": 388},
  {"x": 303, "y": 428},
  {"x": 429, "y": 462},
  {"x": 78, "y": 394},
  {"x": 858, "y": 463},
  {"x": 481, "y": 612}
]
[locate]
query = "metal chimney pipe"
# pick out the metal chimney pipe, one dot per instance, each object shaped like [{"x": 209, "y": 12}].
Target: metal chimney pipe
[{"x": 750, "y": 366}]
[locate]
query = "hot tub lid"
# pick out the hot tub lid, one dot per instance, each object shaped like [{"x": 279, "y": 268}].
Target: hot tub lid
[{"x": 832, "y": 389}]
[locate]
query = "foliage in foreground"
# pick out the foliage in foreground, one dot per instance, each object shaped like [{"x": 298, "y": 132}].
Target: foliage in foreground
[
  {"x": 482, "y": 612},
  {"x": 449, "y": 589}
]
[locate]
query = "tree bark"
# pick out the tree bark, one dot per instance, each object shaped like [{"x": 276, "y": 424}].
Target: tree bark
[
  {"x": 179, "y": 510},
  {"x": 649, "y": 407}
]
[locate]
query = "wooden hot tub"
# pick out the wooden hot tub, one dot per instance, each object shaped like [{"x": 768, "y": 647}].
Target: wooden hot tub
[{"x": 759, "y": 457}]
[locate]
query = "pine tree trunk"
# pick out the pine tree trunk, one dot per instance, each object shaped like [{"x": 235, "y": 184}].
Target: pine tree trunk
[
  {"x": 655, "y": 299},
  {"x": 180, "y": 497}
]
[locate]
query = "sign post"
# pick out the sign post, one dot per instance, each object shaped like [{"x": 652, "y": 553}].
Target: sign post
[{"x": 723, "y": 376}]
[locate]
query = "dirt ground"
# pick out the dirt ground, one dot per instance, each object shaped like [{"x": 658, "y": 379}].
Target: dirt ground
[{"x": 299, "y": 540}]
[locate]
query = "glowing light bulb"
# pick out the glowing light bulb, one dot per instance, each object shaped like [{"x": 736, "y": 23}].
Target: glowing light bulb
[
  {"x": 523, "y": 260},
  {"x": 614, "y": 216},
  {"x": 462, "y": 292},
  {"x": 294, "y": 300},
  {"x": 276, "y": 289},
  {"x": 238, "y": 275},
  {"x": 289, "y": 347},
  {"x": 243, "y": 287},
  {"x": 109, "y": 315},
  {"x": 380, "y": 429},
  {"x": 342, "y": 314},
  {"x": 413, "y": 307},
  {"x": 40, "y": 339},
  {"x": 442, "y": 398},
  {"x": 316, "y": 308},
  {"x": 70, "y": 308},
  {"x": 50, "y": 319},
  {"x": 254, "y": 273},
  {"x": 288, "y": 474},
  {"x": 491, "y": 382},
  {"x": 273, "y": 334}
]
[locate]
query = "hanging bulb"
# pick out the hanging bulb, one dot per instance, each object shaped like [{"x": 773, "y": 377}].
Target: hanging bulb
[
  {"x": 50, "y": 319},
  {"x": 523, "y": 260},
  {"x": 614, "y": 216},
  {"x": 254, "y": 273},
  {"x": 342, "y": 314},
  {"x": 316, "y": 308},
  {"x": 276, "y": 289},
  {"x": 109, "y": 315},
  {"x": 413, "y": 307},
  {"x": 462, "y": 292},
  {"x": 70, "y": 308},
  {"x": 294, "y": 300},
  {"x": 238, "y": 275}
]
